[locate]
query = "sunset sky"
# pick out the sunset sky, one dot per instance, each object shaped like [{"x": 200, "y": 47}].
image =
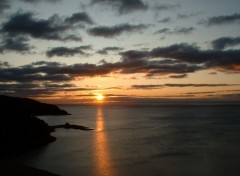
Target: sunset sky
[{"x": 72, "y": 51}]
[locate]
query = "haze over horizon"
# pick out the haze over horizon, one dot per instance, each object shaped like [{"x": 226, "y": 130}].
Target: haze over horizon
[{"x": 61, "y": 51}]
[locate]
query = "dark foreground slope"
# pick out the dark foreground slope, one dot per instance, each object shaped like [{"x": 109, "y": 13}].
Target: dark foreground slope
[
  {"x": 20, "y": 130},
  {"x": 13, "y": 169}
]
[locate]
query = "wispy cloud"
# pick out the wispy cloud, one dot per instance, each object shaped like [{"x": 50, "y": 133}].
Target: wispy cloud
[
  {"x": 221, "y": 20},
  {"x": 158, "y": 86},
  {"x": 178, "y": 76},
  {"x": 110, "y": 32},
  {"x": 107, "y": 49},
  {"x": 188, "y": 15},
  {"x": 163, "y": 7},
  {"x": 177, "y": 31},
  {"x": 165, "y": 20},
  {"x": 37, "y": 1}
]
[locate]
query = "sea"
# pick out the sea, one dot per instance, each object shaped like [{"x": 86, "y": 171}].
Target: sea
[{"x": 141, "y": 140}]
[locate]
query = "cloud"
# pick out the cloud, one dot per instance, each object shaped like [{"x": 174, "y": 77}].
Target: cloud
[
  {"x": 178, "y": 76},
  {"x": 38, "y": 89},
  {"x": 187, "y": 15},
  {"x": 162, "y": 7},
  {"x": 66, "y": 52},
  {"x": 177, "y": 60},
  {"x": 131, "y": 55},
  {"x": 221, "y": 20},
  {"x": 141, "y": 62},
  {"x": 110, "y": 32},
  {"x": 79, "y": 18},
  {"x": 177, "y": 31},
  {"x": 225, "y": 42},
  {"x": 165, "y": 20},
  {"x": 54, "y": 28},
  {"x": 199, "y": 85},
  {"x": 57, "y": 72},
  {"x": 17, "y": 44},
  {"x": 158, "y": 86},
  {"x": 4, "y": 64},
  {"x": 107, "y": 49},
  {"x": 187, "y": 58},
  {"x": 146, "y": 87},
  {"x": 37, "y": 1},
  {"x": 123, "y": 6},
  {"x": 227, "y": 60},
  {"x": 4, "y": 4}
]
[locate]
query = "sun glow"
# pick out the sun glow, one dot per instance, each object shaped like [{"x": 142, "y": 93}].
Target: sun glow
[{"x": 100, "y": 97}]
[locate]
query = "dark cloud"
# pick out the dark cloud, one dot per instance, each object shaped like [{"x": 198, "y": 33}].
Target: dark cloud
[
  {"x": 54, "y": 28},
  {"x": 38, "y": 89},
  {"x": 56, "y": 72},
  {"x": 134, "y": 55},
  {"x": 220, "y": 20},
  {"x": 188, "y": 58},
  {"x": 110, "y": 32},
  {"x": 225, "y": 42},
  {"x": 123, "y": 6},
  {"x": 79, "y": 18},
  {"x": 182, "y": 59},
  {"x": 107, "y": 49},
  {"x": 178, "y": 76},
  {"x": 140, "y": 62},
  {"x": 4, "y": 4},
  {"x": 66, "y": 52},
  {"x": 177, "y": 31},
  {"x": 146, "y": 87},
  {"x": 227, "y": 60},
  {"x": 198, "y": 85},
  {"x": 17, "y": 44},
  {"x": 158, "y": 86},
  {"x": 4, "y": 64},
  {"x": 162, "y": 7}
]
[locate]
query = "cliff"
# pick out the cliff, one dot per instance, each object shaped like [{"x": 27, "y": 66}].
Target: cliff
[
  {"x": 20, "y": 130},
  {"x": 26, "y": 106}
]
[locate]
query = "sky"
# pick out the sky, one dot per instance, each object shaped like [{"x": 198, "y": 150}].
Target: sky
[{"x": 69, "y": 52}]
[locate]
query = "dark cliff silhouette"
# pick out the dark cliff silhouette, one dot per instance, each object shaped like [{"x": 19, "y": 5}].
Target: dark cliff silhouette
[
  {"x": 26, "y": 106},
  {"x": 20, "y": 130}
]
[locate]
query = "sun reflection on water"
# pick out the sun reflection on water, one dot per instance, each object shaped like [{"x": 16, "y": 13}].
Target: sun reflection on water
[{"x": 102, "y": 152}]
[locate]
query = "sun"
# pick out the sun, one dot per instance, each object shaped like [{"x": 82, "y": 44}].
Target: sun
[{"x": 100, "y": 97}]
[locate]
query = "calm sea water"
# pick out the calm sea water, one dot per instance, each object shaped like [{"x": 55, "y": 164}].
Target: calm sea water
[{"x": 143, "y": 141}]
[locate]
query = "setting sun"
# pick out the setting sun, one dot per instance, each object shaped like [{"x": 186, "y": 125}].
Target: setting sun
[{"x": 100, "y": 97}]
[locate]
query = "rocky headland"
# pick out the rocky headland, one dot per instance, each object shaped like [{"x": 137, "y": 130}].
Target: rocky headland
[{"x": 20, "y": 129}]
